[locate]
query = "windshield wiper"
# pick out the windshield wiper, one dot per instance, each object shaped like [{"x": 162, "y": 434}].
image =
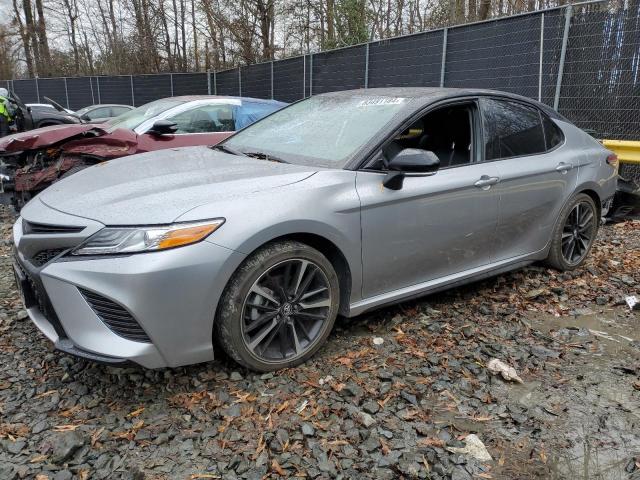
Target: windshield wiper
[
  {"x": 226, "y": 149},
  {"x": 265, "y": 156}
]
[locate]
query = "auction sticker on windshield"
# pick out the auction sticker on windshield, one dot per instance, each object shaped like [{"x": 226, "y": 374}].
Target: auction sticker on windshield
[{"x": 370, "y": 102}]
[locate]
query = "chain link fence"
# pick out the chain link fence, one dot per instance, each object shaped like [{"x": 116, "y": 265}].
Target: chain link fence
[{"x": 582, "y": 59}]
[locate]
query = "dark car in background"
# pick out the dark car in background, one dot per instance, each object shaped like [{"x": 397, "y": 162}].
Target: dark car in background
[
  {"x": 48, "y": 114},
  {"x": 102, "y": 112},
  {"x": 43, "y": 155}
]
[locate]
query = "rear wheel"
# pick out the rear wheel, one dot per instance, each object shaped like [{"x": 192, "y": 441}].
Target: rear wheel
[
  {"x": 574, "y": 233},
  {"x": 279, "y": 307}
]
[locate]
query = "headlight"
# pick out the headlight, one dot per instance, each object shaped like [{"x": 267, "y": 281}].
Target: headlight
[{"x": 146, "y": 239}]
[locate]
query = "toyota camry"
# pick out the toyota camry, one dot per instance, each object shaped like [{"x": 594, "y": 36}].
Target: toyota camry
[{"x": 336, "y": 205}]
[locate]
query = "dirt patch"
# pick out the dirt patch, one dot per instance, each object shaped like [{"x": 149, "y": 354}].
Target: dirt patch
[{"x": 400, "y": 408}]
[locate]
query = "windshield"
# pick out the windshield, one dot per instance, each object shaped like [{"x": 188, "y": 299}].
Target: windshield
[
  {"x": 135, "y": 117},
  {"x": 322, "y": 131}
]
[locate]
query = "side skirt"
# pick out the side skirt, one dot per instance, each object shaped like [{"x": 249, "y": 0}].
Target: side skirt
[{"x": 443, "y": 283}]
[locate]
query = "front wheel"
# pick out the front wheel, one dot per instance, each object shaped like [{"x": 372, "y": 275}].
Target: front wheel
[
  {"x": 279, "y": 307},
  {"x": 574, "y": 234}
]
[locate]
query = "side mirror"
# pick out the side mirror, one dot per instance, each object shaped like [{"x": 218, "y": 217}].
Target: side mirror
[
  {"x": 84, "y": 117},
  {"x": 410, "y": 160},
  {"x": 163, "y": 127}
]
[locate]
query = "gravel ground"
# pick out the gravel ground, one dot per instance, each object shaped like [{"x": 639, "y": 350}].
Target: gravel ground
[{"x": 410, "y": 407}]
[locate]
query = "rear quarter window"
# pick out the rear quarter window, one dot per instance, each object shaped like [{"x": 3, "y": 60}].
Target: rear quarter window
[{"x": 552, "y": 133}]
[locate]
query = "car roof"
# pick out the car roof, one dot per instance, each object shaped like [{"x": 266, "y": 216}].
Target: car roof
[
  {"x": 194, "y": 98},
  {"x": 423, "y": 96}
]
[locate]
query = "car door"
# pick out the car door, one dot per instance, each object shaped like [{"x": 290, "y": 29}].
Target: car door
[
  {"x": 537, "y": 175},
  {"x": 433, "y": 227}
]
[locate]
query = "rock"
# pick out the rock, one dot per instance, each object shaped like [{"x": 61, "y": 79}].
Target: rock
[
  {"x": 65, "y": 445},
  {"x": 63, "y": 475},
  {"x": 371, "y": 406},
  {"x": 15, "y": 447},
  {"x": 308, "y": 430},
  {"x": 235, "y": 377},
  {"x": 474, "y": 448}
]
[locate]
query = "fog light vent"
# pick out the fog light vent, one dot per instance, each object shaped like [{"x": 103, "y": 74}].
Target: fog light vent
[{"x": 115, "y": 316}]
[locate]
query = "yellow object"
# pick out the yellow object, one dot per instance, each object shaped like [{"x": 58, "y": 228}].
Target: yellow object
[
  {"x": 185, "y": 236},
  {"x": 626, "y": 150}
]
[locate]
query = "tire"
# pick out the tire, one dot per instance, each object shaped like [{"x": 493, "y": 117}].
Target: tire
[
  {"x": 244, "y": 315},
  {"x": 561, "y": 257}
]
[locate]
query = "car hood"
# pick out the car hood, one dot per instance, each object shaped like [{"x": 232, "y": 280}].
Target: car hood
[
  {"x": 158, "y": 187},
  {"x": 45, "y": 136}
]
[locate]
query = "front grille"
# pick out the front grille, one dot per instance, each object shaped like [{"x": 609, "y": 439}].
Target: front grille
[
  {"x": 45, "y": 256},
  {"x": 115, "y": 317},
  {"x": 630, "y": 171},
  {"x": 31, "y": 228}
]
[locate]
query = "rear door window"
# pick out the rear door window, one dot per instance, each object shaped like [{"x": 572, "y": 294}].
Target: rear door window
[{"x": 511, "y": 129}]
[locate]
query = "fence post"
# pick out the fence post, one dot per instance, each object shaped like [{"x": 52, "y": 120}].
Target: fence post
[
  {"x": 541, "y": 56},
  {"x": 171, "y": 79},
  {"x": 66, "y": 91},
  {"x": 304, "y": 76},
  {"x": 239, "y": 81},
  {"x": 37, "y": 90},
  {"x": 215, "y": 83},
  {"x": 271, "y": 79},
  {"x": 208, "y": 82},
  {"x": 93, "y": 99},
  {"x": 311, "y": 74},
  {"x": 98, "y": 87},
  {"x": 445, "y": 34},
  {"x": 366, "y": 68},
  {"x": 563, "y": 53},
  {"x": 133, "y": 95}
]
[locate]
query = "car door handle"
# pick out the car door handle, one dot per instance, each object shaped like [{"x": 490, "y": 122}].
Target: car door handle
[
  {"x": 563, "y": 167},
  {"x": 486, "y": 181}
]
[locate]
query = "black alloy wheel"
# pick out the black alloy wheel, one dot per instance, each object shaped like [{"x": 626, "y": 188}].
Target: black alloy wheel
[
  {"x": 577, "y": 234},
  {"x": 285, "y": 310}
]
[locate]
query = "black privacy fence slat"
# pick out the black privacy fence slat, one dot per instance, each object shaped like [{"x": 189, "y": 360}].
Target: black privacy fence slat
[
  {"x": 342, "y": 69},
  {"x": 190, "y": 84},
  {"x": 256, "y": 80},
  {"x": 116, "y": 89},
  {"x": 80, "y": 92},
  {"x": 413, "y": 61},
  {"x": 147, "y": 88},
  {"x": 53, "y": 88},
  {"x": 583, "y": 59},
  {"x": 227, "y": 82},
  {"x": 501, "y": 55},
  {"x": 289, "y": 79}
]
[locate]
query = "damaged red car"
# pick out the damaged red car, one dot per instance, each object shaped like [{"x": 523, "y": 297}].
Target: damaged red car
[{"x": 37, "y": 158}]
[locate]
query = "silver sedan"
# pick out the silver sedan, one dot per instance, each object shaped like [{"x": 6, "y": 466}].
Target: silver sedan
[{"x": 338, "y": 204}]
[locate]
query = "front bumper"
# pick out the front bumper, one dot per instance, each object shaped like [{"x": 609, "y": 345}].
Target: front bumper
[{"x": 172, "y": 295}]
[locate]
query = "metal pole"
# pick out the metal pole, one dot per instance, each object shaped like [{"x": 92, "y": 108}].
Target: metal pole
[
  {"x": 208, "y": 82},
  {"x": 271, "y": 79},
  {"x": 563, "y": 53},
  {"x": 93, "y": 100},
  {"x": 311, "y": 75},
  {"x": 171, "y": 78},
  {"x": 366, "y": 68},
  {"x": 443, "y": 63},
  {"x": 133, "y": 95},
  {"x": 98, "y": 87},
  {"x": 304, "y": 76},
  {"x": 66, "y": 91},
  {"x": 541, "y": 56},
  {"x": 37, "y": 90},
  {"x": 239, "y": 81}
]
